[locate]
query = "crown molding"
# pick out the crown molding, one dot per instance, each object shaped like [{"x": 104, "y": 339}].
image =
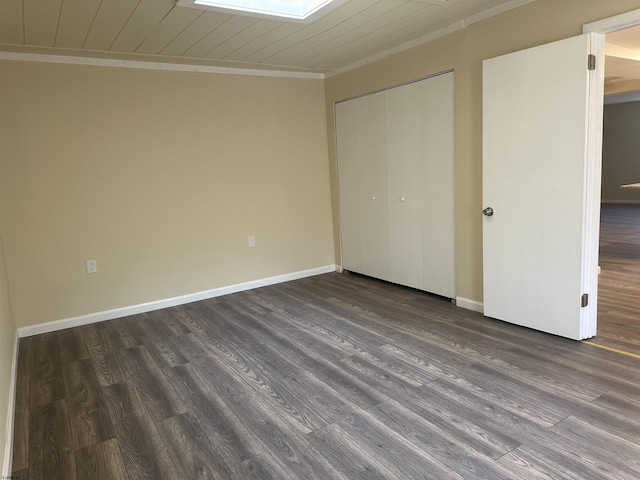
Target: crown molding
[{"x": 146, "y": 65}]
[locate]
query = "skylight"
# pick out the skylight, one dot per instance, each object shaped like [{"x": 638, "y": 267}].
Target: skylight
[{"x": 290, "y": 9}]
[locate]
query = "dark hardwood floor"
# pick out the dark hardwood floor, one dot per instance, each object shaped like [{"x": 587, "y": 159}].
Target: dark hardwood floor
[
  {"x": 330, "y": 377},
  {"x": 619, "y": 282}
]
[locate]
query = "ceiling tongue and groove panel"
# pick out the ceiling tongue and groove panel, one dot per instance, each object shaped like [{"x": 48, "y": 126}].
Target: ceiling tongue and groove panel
[
  {"x": 363, "y": 38},
  {"x": 76, "y": 17},
  {"x": 109, "y": 21},
  {"x": 203, "y": 25},
  {"x": 11, "y": 22},
  {"x": 163, "y": 31},
  {"x": 41, "y": 22},
  {"x": 396, "y": 27},
  {"x": 328, "y": 25},
  {"x": 355, "y": 20},
  {"x": 169, "y": 29},
  {"x": 145, "y": 19}
]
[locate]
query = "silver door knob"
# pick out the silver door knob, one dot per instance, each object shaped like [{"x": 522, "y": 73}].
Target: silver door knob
[{"x": 488, "y": 211}]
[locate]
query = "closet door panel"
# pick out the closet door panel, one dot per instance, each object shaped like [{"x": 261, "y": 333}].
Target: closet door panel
[
  {"x": 403, "y": 174},
  {"x": 374, "y": 186},
  {"x": 350, "y": 185},
  {"x": 436, "y": 135}
]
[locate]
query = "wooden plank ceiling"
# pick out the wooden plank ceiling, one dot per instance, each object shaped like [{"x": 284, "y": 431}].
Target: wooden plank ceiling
[{"x": 162, "y": 31}]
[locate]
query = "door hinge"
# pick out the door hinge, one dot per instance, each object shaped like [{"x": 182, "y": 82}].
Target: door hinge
[
  {"x": 591, "y": 61},
  {"x": 584, "y": 300}
]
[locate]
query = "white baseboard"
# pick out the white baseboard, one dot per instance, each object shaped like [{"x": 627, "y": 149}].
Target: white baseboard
[
  {"x": 11, "y": 411},
  {"x": 168, "y": 302},
  {"x": 634, "y": 202},
  {"x": 470, "y": 304}
]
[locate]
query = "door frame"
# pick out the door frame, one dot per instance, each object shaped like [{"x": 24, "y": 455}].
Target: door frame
[
  {"x": 594, "y": 150},
  {"x": 613, "y": 24}
]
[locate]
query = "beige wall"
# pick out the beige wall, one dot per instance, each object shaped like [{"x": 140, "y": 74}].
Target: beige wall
[
  {"x": 540, "y": 22},
  {"x": 160, "y": 177},
  {"x": 621, "y": 152}
]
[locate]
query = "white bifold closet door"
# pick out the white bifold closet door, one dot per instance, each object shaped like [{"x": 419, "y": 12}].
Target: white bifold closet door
[
  {"x": 437, "y": 184},
  {"x": 396, "y": 177},
  {"x": 351, "y": 218},
  {"x": 403, "y": 179},
  {"x": 375, "y": 211}
]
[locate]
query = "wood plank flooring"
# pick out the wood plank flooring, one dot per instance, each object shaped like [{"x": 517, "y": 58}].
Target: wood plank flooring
[
  {"x": 332, "y": 377},
  {"x": 619, "y": 282}
]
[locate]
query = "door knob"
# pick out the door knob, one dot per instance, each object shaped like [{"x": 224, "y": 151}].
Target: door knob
[
  {"x": 488, "y": 211},
  {"x": 402, "y": 199}
]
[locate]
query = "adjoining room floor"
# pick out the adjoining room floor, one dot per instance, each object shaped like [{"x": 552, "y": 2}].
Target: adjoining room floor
[
  {"x": 335, "y": 376},
  {"x": 619, "y": 282}
]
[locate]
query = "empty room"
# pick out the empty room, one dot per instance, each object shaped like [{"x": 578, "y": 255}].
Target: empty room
[{"x": 348, "y": 239}]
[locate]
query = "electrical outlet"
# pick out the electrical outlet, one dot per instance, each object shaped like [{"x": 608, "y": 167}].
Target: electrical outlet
[
  {"x": 252, "y": 241},
  {"x": 92, "y": 266}
]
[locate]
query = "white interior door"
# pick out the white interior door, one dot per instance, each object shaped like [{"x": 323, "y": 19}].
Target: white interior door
[{"x": 542, "y": 117}]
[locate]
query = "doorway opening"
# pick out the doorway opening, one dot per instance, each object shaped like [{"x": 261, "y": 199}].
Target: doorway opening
[
  {"x": 619, "y": 252},
  {"x": 619, "y": 282}
]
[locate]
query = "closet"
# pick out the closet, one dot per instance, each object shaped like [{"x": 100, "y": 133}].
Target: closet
[{"x": 395, "y": 153}]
